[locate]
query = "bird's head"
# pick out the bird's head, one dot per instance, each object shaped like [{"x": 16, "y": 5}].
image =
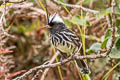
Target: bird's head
[
  {"x": 55, "y": 18},
  {"x": 54, "y": 21}
]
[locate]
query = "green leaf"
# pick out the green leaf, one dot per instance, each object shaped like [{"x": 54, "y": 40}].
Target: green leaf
[
  {"x": 117, "y": 10},
  {"x": 104, "y": 43},
  {"x": 116, "y": 76},
  {"x": 31, "y": 27},
  {"x": 115, "y": 53},
  {"x": 105, "y": 77},
  {"x": 96, "y": 47},
  {"x": 117, "y": 43},
  {"x": 21, "y": 28},
  {"x": 89, "y": 51},
  {"x": 108, "y": 33},
  {"x": 79, "y": 20},
  {"x": 117, "y": 22},
  {"x": 86, "y": 1},
  {"x": 75, "y": 20},
  {"x": 68, "y": 23},
  {"x": 109, "y": 42}
]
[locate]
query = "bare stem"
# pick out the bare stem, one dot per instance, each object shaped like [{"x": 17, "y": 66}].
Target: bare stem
[
  {"x": 77, "y": 6},
  {"x": 76, "y": 56}
]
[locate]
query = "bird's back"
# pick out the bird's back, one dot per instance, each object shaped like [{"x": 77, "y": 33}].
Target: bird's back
[{"x": 65, "y": 41}]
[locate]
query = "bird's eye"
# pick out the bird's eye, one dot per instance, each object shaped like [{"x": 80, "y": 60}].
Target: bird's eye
[{"x": 51, "y": 24}]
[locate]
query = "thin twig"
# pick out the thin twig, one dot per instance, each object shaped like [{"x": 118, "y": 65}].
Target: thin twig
[
  {"x": 77, "y": 6},
  {"x": 11, "y": 1},
  {"x": 47, "y": 69},
  {"x": 112, "y": 26},
  {"x": 76, "y": 56},
  {"x": 1, "y": 23},
  {"x": 37, "y": 74}
]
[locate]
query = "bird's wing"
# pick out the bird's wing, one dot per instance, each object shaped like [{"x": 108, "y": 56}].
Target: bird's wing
[{"x": 72, "y": 36}]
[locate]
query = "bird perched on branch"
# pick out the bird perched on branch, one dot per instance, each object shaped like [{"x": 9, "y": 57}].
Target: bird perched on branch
[{"x": 65, "y": 40}]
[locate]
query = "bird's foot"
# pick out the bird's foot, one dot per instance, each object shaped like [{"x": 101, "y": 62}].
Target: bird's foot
[
  {"x": 61, "y": 60},
  {"x": 73, "y": 55}
]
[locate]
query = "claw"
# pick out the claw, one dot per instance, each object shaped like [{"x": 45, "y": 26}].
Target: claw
[
  {"x": 73, "y": 55},
  {"x": 61, "y": 59}
]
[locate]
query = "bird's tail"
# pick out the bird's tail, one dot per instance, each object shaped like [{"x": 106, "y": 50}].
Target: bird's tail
[{"x": 82, "y": 66}]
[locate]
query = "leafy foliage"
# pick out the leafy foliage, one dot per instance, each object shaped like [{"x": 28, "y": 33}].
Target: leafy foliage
[{"x": 32, "y": 43}]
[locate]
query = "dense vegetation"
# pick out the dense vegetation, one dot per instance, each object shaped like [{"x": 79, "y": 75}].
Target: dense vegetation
[{"x": 25, "y": 44}]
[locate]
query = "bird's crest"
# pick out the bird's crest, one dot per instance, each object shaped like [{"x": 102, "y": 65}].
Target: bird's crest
[{"x": 53, "y": 18}]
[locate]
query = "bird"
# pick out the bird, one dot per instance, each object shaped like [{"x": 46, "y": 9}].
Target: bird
[{"x": 65, "y": 40}]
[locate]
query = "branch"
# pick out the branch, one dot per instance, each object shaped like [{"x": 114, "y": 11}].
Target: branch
[
  {"x": 112, "y": 25},
  {"x": 11, "y": 1},
  {"x": 77, "y": 6},
  {"x": 76, "y": 56},
  {"x": 47, "y": 69}
]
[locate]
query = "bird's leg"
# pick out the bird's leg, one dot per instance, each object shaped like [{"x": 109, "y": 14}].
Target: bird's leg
[
  {"x": 61, "y": 59},
  {"x": 65, "y": 55},
  {"x": 73, "y": 54}
]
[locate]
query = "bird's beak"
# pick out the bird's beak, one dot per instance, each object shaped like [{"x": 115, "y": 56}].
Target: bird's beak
[{"x": 47, "y": 26}]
